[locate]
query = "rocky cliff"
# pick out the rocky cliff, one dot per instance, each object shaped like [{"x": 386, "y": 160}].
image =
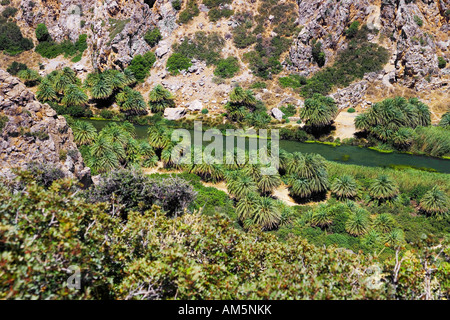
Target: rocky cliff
[{"x": 32, "y": 132}]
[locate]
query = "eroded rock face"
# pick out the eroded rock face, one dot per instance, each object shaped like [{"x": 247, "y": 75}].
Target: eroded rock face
[
  {"x": 115, "y": 28},
  {"x": 33, "y": 132},
  {"x": 415, "y": 33}
]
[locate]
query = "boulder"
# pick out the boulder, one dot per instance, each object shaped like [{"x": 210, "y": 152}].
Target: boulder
[
  {"x": 195, "y": 105},
  {"x": 277, "y": 113},
  {"x": 174, "y": 113}
]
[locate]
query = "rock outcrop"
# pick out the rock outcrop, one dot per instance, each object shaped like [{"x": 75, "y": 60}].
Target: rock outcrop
[
  {"x": 33, "y": 132},
  {"x": 415, "y": 33},
  {"x": 115, "y": 28}
]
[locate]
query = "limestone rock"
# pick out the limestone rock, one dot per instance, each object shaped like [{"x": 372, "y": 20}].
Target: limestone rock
[
  {"x": 277, "y": 113},
  {"x": 174, "y": 113},
  {"x": 195, "y": 105}
]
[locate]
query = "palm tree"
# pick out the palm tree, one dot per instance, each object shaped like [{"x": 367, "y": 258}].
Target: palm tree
[
  {"x": 344, "y": 187},
  {"x": 322, "y": 217},
  {"x": 358, "y": 223},
  {"x": 102, "y": 146},
  {"x": 29, "y": 76},
  {"x": 372, "y": 239},
  {"x": 300, "y": 187},
  {"x": 239, "y": 96},
  {"x": 159, "y": 137},
  {"x": 160, "y": 98},
  {"x": 384, "y": 223},
  {"x": 435, "y": 202},
  {"x": 61, "y": 81},
  {"x": 445, "y": 120},
  {"x": 100, "y": 85},
  {"x": 362, "y": 122},
  {"x": 394, "y": 238},
  {"x": 83, "y": 133},
  {"x": 268, "y": 182},
  {"x": 383, "y": 188},
  {"x": 132, "y": 151},
  {"x": 403, "y": 137},
  {"x": 70, "y": 74},
  {"x": 267, "y": 215},
  {"x": 209, "y": 171},
  {"x": 46, "y": 92},
  {"x": 241, "y": 186},
  {"x": 148, "y": 155},
  {"x": 319, "y": 111},
  {"x": 74, "y": 96},
  {"x": 247, "y": 206},
  {"x": 116, "y": 133},
  {"x": 131, "y": 102},
  {"x": 422, "y": 111},
  {"x": 129, "y": 78}
]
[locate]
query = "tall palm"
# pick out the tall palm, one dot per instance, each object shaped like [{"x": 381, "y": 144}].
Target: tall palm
[
  {"x": 300, "y": 187},
  {"x": 74, "y": 96},
  {"x": 445, "y": 120},
  {"x": 160, "y": 98},
  {"x": 247, "y": 206},
  {"x": 267, "y": 215},
  {"x": 100, "y": 85},
  {"x": 268, "y": 182},
  {"x": 83, "y": 133},
  {"x": 319, "y": 111},
  {"x": 131, "y": 102},
  {"x": 344, "y": 187},
  {"x": 383, "y": 188},
  {"x": 435, "y": 202},
  {"x": 116, "y": 133},
  {"x": 394, "y": 238},
  {"x": 46, "y": 92},
  {"x": 209, "y": 171},
  {"x": 159, "y": 137},
  {"x": 358, "y": 223},
  {"x": 423, "y": 112},
  {"x": 29, "y": 76},
  {"x": 242, "y": 97},
  {"x": 241, "y": 186}
]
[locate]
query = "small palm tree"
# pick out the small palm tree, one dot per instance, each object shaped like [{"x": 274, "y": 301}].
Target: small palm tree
[
  {"x": 159, "y": 137},
  {"x": 268, "y": 182},
  {"x": 209, "y": 171},
  {"x": 435, "y": 202},
  {"x": 394, "y": 238},
  {"x": 74, "y": 96},
  {"x": 241, "y": 186},
  {"x": 319, "y": 111},
  {"x": 83, "y": 133},
  {"x": 384, "y": 223},
  {"x": 131, "y": 102},
  {"x": 99, "y": 84},
  {"x": 160, "y": 98},
  {"x": 242, "y": 97},
  {"x": 358, "y": 223},
  {"x": 29, "y": 76},
  {"x": 46, "y": 92},
  {"x": 372, "y": 239},
  {"x": 117, "y": 134},
  {"x": 383, "y": 188},
  {"x": 247, "y": 206},
  {"x": 344, "y": 187},
  {"x": 267, "y": 215},
  {"x": 300, "y": 187},
  {"x": 445, "y": 120},
  {"x": 322, "y": 217}
]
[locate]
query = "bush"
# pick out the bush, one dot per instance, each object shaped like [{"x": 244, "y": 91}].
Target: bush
[
  {"x": 205, "y": 111},
  {"x": 289, "y": 110},
  {"x": 176, "y": 4},
  {"x": 317, "y": 53},
  {"x": 203, "y": 46},
  {"x": 5, "y": 2},
  {"x": 216, "y": 14},
  {"x": 9, "y": 12},
  {"x": 418, "y": 21},
  {"x": 50, "y": 49},
  {"x": 177, "y": 62},
  {"x": 12, "y": 40},
  {"x": 15, "y": 67},
  {"x": 190, "y": 12},
  {"x": 152, "y": 37},
  {"x": 106, "y": 114},
  {"x": 351, "y": 110},
  {"x": 352, "y": 30},
  {"x": 227, "y": 68},
  {"x": 45, "y": 174},
  {"x": 442, "y": 63},
  {"x": 141, "y": 65},
  {"x": 293, "y": 81},
  {"x": 42, "y": 33}
]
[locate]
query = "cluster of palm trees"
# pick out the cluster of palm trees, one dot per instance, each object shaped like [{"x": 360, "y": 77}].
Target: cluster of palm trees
[
  {"x": 380, "y": 230},
  {"x": 239, "y": 104},
  {"x": 62, "y": 86},
  {"x": 29, "y": 76},
  {"x": 113, "y": 147},
  {"x": 160, "y": 99},
  {"x": 392, "y": 120}
]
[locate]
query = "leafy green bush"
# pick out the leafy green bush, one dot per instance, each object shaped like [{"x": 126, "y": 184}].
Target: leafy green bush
[
  {"x": 15, "y": 67},
  {"x": 9, "y": 12},
  {"x": 12, "y": 40},
  {"x": 418, "y": 21},
  {"x": 293, "y": 81},
  {"x": 227, "y": 68},
  {"x": 140, "y": 65},
  {"x": 352, "y": 29},
  {"x": 50, "y": 49},
  {"x": 351, "y": 110},
  {"x": 42, "y": 33},
  {"x": 190, "y": 12},
  {"x": 5, "y": 2},
  {"x": 317, "y": 53},
  {"x": 216, "y": 14},
  {"x": 289, "y": 110},
  {"x": 442, "y": 63},
  {"x": 258, "y": 85},
  {"x": 205, "y": 111},
  {"x": 177, "y": 62},
  {"x": 152, "y": 37},
  {"x": 176, "y": 4},
  {"x": 202, "y": 46}
]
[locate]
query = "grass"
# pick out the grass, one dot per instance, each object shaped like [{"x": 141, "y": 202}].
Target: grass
[{"x": 117, "y": 27}]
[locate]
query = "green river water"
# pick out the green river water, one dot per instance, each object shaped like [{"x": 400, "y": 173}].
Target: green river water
[{"x": 343, "y": 154}]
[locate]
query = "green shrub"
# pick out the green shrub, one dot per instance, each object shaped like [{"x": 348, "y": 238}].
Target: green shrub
[
  {"x": 258, "y": 85},
  {"x": 418, "y": 21},
  {"x": 141, "y": 65},
  {"x": 12, "y": 40},
  {"x": 190, "y": 12},
  {"x": 42, "y": 33},
  {"x": 216, "y": 14},
  {"x": 176, "y": 4},
  {"x": 177, "y": 62},
  {"x": 5, "y": 2},
  {"x": 15, "y": 67},
  {"x": 9, "y": 12},
  {"x": 352, "y": 30},
  {"x": 351, "y": 110},
  {"x": 289, "y": 110},
  {"x": 152, "y": 37},
  {"x": 106, "y": 114},
  {"x": 442, "y": 63},
  {"x": 293, "y": 81},
  {"x": 51, "y": 49},
  {"x": 205, "y": 111},
  {"x": 3, "y": 121},
  {"x": 317, "y": 53},
  {"x": 202, "y": 46},
  {"x": 227, "y": 68}
]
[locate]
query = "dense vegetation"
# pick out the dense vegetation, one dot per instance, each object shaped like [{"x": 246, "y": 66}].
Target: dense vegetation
[{"x": 12, "y": 41}]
